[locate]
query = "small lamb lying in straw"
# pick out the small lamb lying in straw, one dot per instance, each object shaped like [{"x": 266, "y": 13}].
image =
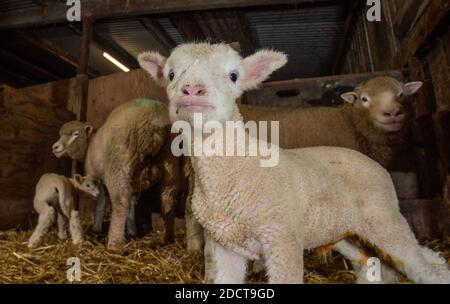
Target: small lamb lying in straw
[
  {"x": 55, "y": 195},
  {"x": 314, "y": 197}
]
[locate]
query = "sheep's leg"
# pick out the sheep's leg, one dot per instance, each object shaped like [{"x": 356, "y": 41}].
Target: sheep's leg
[
  {"x": 120, "y": 203},
  {"x": 168, "y": 206},
  {"x": 194, "y": 231},
  {"x": 62, "y": 226},
  {"x": 46, "y": 218},
  {"x": 230, "y": 268},
  {"x": 358, "y": 258},
  {"x": 210, "y": 265},
  {"x": 131, "y": 218},
  {"x": 284, "y": 260},
  {"x": 100, "y": 211},
  {"x": 402, "y": 247},
  {"x": 76, "y": 230}
]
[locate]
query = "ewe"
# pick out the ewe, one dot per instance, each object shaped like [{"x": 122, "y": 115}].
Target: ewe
[
  {"x": 55, "y": 195},
  {"x": 314, "y": 197}
]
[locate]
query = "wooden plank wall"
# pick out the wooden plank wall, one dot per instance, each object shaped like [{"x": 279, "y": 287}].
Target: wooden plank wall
[
  {"x": 28, "y": 128},
  {"x": 414, "y": 35}
]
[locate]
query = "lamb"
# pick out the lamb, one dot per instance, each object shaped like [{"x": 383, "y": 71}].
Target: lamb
[
  {"x": 132, "y": 146},
  {"x": 313, "y": 197},
  {"x": 55, "y": 195}
]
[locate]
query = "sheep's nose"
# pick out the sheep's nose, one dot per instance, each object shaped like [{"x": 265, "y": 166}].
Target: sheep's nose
[
  {"x": 57, "y": 147},
  {"x": 197, "y": 90},
  {"x": 394, "y": 114}
]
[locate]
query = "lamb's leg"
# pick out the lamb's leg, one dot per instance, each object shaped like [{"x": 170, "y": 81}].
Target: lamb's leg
[
  {"x": 76, "y": 230},
  {"x": 402, "y": 247},
  {"x": 284, "y": 260},
  {"x": 168, "y": 206},
  {"x": 194, "y": 232},
  {"x": 62, "y": 226},
  {"x": 100, "y": 211},
  {"x": 131, "y": 218},
  {"x": 230, "y": 268},
  {"x": 358, "y": 258},
  {"x": 46, "y": 218},
  {"x": 120, "y": 203}
]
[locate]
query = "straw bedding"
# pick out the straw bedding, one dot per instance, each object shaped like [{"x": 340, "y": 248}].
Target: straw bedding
[{"x": 143, "y": 261}]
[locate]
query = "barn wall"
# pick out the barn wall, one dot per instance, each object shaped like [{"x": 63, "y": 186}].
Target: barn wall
[
  {"x": 414, "y": 35},
  {"x": 28, "y": 128}
]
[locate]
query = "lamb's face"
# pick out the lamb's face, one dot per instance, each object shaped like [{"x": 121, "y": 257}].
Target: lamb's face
[
  {"x": 208, "y": 78},
  {"x": 73, "y": 141},
  {"x": 384, "y": 101},
  {"x": 87, "y": 185}
]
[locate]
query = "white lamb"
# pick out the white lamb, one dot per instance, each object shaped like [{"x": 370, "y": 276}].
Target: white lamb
[
  {"x": 55, "y": 195},
  {"x": 314, "y": 197}
]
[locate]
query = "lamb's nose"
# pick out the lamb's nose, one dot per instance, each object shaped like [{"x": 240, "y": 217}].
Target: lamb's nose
[{"x": 197, "y": 90}]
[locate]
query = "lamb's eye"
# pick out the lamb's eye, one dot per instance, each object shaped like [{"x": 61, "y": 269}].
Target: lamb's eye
[
  {"x": 365, "y": 99},
  {"x": 76, "y": 133},
  {"x": 88, "y": 185},
  {"x": 234, "y": 77},
  {"x": 401, "y": 94},
  {"x": 171, "y": 75}
]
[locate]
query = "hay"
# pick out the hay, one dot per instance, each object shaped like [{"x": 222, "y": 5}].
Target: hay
[{"x": 143, "y": 261}]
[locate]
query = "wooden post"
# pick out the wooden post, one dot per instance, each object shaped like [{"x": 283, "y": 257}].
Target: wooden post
[{"x": 79, "y": 94}]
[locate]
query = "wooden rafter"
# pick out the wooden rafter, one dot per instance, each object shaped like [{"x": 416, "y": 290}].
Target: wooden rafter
[{"x": 55, "y": 12}]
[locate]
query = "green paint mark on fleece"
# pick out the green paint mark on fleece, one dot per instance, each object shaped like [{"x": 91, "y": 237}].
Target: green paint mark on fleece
[{"x": 158, "y": 106}]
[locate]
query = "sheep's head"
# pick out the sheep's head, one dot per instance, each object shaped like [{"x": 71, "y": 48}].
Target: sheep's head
[
  {"x": 73, "y": 141},
  {"x": 384, "y": 101},
  {"x": 87, "y": 185},
  {"x": 208, "y": 78}
]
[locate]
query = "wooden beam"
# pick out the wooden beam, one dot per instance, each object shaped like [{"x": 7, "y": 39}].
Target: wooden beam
[
  {"x": 349, "y": 29},
  {"x": 406, "y": 16},
  {"x": 55, "y": 12},
  {"x": 431, "y": 18},
  {"x": 159, "y": 34},
  {"x": 56, "y": 51},
  {"x": 110, "y": 47}
]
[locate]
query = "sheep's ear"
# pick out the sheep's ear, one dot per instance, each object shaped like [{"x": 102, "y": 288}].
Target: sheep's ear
[
  {"x": 153, "y": 63},
  {"x": 350, "y": 97},
  {"x": 412, "y": 87},
  {"x": 78, "y": 179},
  {"x": 260, "y": 65},
  {"x": 89, "y": 129},
  {"x": 236, "y": 46}
]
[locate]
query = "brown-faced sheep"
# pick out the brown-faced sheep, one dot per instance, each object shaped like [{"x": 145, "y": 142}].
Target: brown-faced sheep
[
  {"x": 313, "y": 197},
  {"x": 375, "y": 120},
  {"x": 55, "y": 195},
  {"x": 129, "y": 153}
]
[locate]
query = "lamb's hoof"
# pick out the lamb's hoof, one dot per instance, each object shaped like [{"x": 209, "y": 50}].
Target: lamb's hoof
[
  {"x": 31, "y": 245},
  {"x": 62, "y": 237},
  {"x": 97, "y": 229},
  {"x": 169, "y": 240}
]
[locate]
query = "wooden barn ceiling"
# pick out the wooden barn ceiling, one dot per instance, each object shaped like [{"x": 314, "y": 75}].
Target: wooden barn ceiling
[{"x": 39, "y": 46}]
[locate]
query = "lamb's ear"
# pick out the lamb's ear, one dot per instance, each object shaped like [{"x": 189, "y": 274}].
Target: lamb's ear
[
  {"x": 78, "y": 179},
  {"x": 412, "y": 87},
  {"x": 260, "y": 65},
  {"x": 153, "y": 63},
  {"x": 350, "y": 97},
  {"x": 89, "y": 129}
]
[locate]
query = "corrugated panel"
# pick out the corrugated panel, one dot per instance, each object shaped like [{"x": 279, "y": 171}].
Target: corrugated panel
[
  {"x": 13, "y": 5},
  {"x": 310, "y": 36},
  {"x": 129, "y": 34},
  {"x": 171, "y": 30}
]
